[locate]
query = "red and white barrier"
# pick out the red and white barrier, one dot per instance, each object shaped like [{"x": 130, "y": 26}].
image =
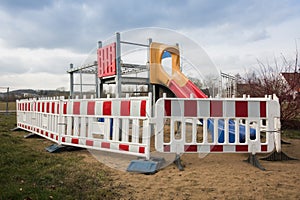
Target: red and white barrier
[
  {"x": 40, "y": 117},
  {"x": 122, "y": 125},
  {"x": 190, "y": 137},
  {"x": 115, "y": 125}
]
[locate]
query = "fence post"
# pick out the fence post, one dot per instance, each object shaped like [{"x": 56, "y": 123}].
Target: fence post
[
  {"x": 7, "y": 99},
  {"x": 60, "y": 120}
]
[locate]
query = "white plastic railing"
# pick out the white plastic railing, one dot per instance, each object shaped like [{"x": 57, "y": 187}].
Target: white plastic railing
[
  {"x": 122, "y": 125},
  {"x": 115, "y": 125},
  {"x": 217, "y": 125}
]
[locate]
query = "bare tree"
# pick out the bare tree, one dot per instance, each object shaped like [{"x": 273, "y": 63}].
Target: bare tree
[{"x": 282, "y": 80}]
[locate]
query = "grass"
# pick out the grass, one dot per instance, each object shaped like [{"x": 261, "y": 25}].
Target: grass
[
  {"x": 289, "y": 133},
  {"x": 27, "y": 171},
  {"x": 11, "y": 105}
]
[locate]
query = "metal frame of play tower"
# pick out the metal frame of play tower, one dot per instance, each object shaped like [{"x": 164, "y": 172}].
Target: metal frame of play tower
[
  {"x": 118, "y": 78},
  {"x": 118, "y": 74}
]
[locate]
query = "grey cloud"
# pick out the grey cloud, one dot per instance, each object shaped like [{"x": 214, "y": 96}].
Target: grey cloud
[
  {"x": 77, "y": 25},
  {"x": 19, "y": 5}
]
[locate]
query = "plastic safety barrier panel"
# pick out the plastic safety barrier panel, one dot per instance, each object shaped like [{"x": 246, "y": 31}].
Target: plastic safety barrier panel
[
  {"x": 236, "y": 125},
  {"x": 116, "y": 125}
]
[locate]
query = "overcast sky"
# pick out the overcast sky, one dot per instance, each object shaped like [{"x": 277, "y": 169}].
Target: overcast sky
[{"x": 40, "y": 38}]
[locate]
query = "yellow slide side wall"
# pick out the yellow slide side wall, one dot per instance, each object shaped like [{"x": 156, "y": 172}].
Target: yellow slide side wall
[{"x": 157, "y": 74}]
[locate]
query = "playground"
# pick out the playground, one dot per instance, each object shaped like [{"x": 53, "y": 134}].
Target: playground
[{"x": 191, "y": 139}]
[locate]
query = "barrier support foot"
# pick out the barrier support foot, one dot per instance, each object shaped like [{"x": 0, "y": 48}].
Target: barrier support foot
[
  {"x": 32, "y": 135},
  {"x": 147, "y": 167},
  {"x": 284, "y": 142},
  {"x": 54, "y": 148},
  {"x": 252, "y": 159},
  {"x": 278, "y": 156},
  {"x": 178, "y": 163},
  {"x": 16, "y": 129},
  {"x": 143, "y": 167}
]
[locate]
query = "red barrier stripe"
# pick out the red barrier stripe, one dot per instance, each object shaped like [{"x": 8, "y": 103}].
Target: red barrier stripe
[
  {"x": 241, "y": 109},
  {"x": 65, "y": 108},
  {"x": 89, "y": 142},
  {"x": 190, "y": 148},
  {"x": 216, "y": 148},
  {"x": 124, "y": 147},
  {"x": 48, "y": 107},
  {"x": 57, "y": 109},
  {"x": 167, "y": 108},
  {"x": 216, "y": 108},
  {"x": 167, "y": 148},
  {"x": 264, "y": 147},
  {"x": 125, "y": 108},
  {"x": 53, "y": 107},
  {"x": 76, "y": 108},
  {"x": 190, "y": 108},
  {"x": 243, "y": 148},
  {"x": 74, "y": 141},
  {"x": 141, "y": 149},
  {"x": 46, "y": 133},
  {"x": 143, "y": 108},
  {"x": 91, "y": 108},
  {"x": 56, "y": 138},
  {"x": 107, "y": 108},
  {"x": 105, "y": 145},
  {"x": 263, "y": 109},
  {"x": 63, "y": 139},
  {"x": 43, "y": 107}
]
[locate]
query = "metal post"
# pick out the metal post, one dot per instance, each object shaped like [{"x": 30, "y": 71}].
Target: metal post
[
  {"x": 234, "y": 87},
  {"x": 7, "y": 99},
  {"x": 71, "y": 82},
  {"x": 80, "y": 74},
  {"x": 220, "y": 86},
  {"x": 213, "y": 90},
  {"x": 99, "y": 85},
  {"x": 118, "y": 66},
  {"x": 150, "y": 89}
]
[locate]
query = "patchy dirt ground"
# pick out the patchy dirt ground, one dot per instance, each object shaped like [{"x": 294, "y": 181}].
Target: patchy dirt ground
[{"x": 216, "y": 176}]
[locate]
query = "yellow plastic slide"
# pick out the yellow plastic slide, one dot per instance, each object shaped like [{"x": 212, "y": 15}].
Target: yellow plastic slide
[{"x": 178, "y": 83}]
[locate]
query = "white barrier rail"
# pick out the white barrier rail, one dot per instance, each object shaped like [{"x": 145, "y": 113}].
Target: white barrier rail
[
  {"x": 115, "y": 125},
  {"x": 122, "y": 125},
  {"x": 217, "y": 125}
]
